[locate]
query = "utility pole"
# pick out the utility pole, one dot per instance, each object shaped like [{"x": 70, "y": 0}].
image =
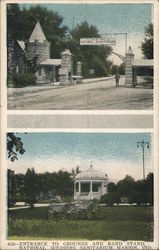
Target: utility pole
[{"x": 143, "y": 144}]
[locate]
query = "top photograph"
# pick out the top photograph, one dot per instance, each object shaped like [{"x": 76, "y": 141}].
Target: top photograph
[{"x": 80, "y": 56}]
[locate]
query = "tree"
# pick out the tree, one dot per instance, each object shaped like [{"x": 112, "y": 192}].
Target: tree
[
  {"x": 121, "y": 69},
  {"x": 31, "y": 188},
  {"x": 92, "y": 57},
  {"x": 114, "y": 69},
  {"x": 110, "y": 198},
  {"x": 147, "y": 45},
  {"x": 125, "y": 186},
  {"x": 21, "y": 22},
  {"x": 13, "y": 19},
  {"x": 112, "y": 187},
  {"x": 14, "y": 146}
]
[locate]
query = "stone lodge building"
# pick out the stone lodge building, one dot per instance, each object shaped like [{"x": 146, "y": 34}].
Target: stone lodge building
[
  {"x": 90, "y": 184},
  {"x": 37, "y": 50}
]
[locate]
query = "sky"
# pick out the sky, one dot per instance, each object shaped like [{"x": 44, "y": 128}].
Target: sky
[
  {"x": 110, "y": 18},
  {"x": 114, "y": 154}
]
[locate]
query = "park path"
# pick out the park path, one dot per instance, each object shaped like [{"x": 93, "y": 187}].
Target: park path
[{"x": 27, "y": 206}]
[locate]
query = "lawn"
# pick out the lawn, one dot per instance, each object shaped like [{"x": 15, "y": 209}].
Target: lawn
[{"x": 109, "y": 223}]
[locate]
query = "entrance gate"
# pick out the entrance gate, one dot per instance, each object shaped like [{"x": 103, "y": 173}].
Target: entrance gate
[{"x": 131, "y": 66}]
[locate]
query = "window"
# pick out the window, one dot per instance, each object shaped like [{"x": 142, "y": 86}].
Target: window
[
  {"x": 77, "y": 186},
  {"x": 95, "y": 187},
  {"x": 85, "y": 187},
  {"x": 17, "y": 69},
  {"x": 40, "y": 70}
]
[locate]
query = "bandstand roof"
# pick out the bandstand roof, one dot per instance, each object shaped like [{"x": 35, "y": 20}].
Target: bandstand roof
[{"x": 90, "y": 174}]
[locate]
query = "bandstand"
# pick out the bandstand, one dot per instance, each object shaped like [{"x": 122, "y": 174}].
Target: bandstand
[{"x": 90, "y": 184}]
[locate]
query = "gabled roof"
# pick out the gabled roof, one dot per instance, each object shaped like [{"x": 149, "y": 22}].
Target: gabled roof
[
  {"x": 22, "y": 45},
  {"x": 51, "y": 62},
  {"x": 37, "y": 34}
]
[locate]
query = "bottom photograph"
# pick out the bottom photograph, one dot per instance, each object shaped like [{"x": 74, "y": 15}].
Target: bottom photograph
[{"x": 80, "y": 186}]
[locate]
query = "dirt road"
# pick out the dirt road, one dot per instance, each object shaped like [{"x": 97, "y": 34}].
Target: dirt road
[{"x": 99, "y": 95}]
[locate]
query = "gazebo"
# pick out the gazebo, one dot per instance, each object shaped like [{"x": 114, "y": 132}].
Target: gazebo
[{"x": 90, "y": 184}]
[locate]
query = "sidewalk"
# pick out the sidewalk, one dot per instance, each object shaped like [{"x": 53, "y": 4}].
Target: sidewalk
[
  {"x": 27, "y": 206},
  {"x": 33, "y": 89}
]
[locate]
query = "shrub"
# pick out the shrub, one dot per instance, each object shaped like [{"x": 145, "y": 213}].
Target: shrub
[
  {"x": 23, "y": 80},
  {"x": 10, "y": 82},
  {"x": 110, "y": 198}
]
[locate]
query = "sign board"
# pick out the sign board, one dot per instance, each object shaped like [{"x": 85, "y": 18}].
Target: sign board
[{"x": 98, "y": 41}]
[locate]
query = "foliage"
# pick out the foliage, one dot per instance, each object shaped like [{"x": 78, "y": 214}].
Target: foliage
[
  {"x": 26, "y": 19},
  {"x": 147, "y": 45},
  {"x": 121, "y": 69},
  {"x": 58, "y": 183},
  {"x": 92, "y": 57},
  {"x": 14, "y": 146},
  {"x": 110, "y": 199},
  {"x": 125, "y": 186},
  {"x": 114, "y": 69},
  {"x": 130, "y": 191},
  {"x": 10, "y": 82},
  {"x": 30, "y": 187},
  {"x": 23, "y": 80},
  {"x": 31, "y": 64},
  {"x": 118, "y": 223}
]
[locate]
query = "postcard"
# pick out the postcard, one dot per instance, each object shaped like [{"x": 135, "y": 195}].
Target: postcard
[{"x": 79, "y": 125}]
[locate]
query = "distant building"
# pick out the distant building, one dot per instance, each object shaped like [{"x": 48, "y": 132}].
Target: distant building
[
  {"x": 36, "y": 52},
  {"x": 90, "y": 184}
]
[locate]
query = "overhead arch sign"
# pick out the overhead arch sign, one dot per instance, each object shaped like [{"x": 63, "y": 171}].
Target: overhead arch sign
[{"x": 98, "y": 41}]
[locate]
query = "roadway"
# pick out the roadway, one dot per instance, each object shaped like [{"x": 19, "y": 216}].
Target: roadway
[{"x": 98, "y": 95}]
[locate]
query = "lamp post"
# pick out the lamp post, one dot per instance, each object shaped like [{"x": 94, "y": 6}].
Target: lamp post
[{"x": 143, "y": 144}]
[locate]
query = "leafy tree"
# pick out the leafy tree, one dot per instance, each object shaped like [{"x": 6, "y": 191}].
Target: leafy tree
[
  {"x": 112, "y": 187},
  {"x": 147, "y": 45},
  {"x": 11, "y": 188},
  {"x": 114, "y": 69},
  {"x": 21, "y": 22},
  {"x": 92, "y": 57},
  {"x": 13, "y": 18},
  {"x": 125, "y": 186},
  {"x": 31, "y": 187},
  {"x": 64, "y": 184},
  {"x": 121, "y": 69},
  {"x": 14, "y": 146},
  {"x": 19, "y": 186},
  {"x": 110, "y": 198}
]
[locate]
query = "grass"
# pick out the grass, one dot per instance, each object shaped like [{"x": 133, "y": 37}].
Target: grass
[{"x": 110, "y": 223}]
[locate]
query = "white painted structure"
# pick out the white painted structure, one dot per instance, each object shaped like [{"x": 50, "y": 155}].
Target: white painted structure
[{"x": 90, "y": 184}]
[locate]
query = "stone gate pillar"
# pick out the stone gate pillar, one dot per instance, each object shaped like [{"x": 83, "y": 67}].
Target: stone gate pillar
[
  {"x": 79, "y": 68},
  {"x": 79, "y": 72},
  {"x": 129, "y": 57},
  {"x": 66, "y": 68}
]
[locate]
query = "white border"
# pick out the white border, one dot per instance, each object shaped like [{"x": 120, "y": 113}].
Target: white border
[{"x": 4, "y": 112}]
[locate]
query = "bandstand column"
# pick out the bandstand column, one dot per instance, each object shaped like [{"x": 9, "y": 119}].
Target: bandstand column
[
  {"x": 91, "y": 187},
  {"x": 79, "y": 187}
]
